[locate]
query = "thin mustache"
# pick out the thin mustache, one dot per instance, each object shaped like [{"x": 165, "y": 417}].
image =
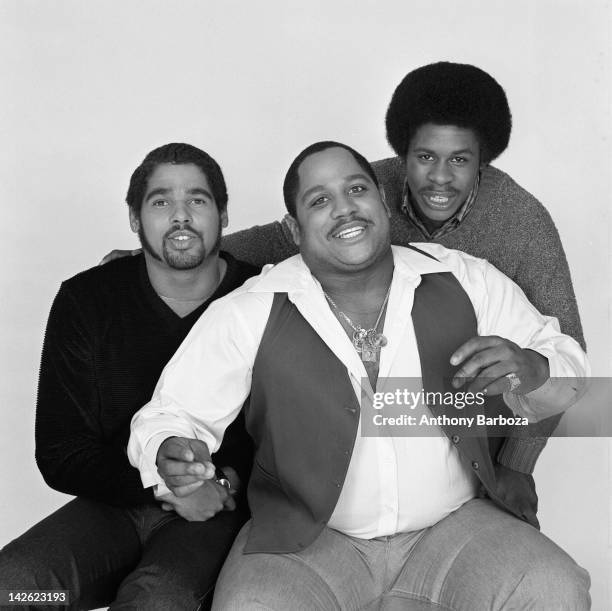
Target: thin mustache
[
  {"x": 341, "y": 223},
  {"x": 192, "y": 232}
]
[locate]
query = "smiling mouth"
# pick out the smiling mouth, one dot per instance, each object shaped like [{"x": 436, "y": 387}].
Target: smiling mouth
[
  {"x": 438, "y": 200},
  {"x": 351, "y": 232}
]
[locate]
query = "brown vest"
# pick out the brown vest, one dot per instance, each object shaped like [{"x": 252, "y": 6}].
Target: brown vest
[{"x": 303, "y": 414}]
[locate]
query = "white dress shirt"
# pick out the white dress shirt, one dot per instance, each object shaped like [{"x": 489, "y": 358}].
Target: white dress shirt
[{"x": 393, "y": 484}]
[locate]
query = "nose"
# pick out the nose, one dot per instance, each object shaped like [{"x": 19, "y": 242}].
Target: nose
[
  {"x": 439, "y": 173},
  {"x": 181, "y": 213},
  {"x": 344, "y": 205}
]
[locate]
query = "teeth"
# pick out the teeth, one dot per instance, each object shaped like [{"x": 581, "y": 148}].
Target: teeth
[
  {"x": 439, "y": 199},
  {"x": 181, "y": 237},
  {"x": 349, "y": 233}
]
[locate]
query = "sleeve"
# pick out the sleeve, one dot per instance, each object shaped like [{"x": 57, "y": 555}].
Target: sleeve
[
  {"x": 71, "y": 451},
  {"x": 544, "y": 276},
  {"x": 505, "y": 311},
  {"x": 262, "y": 244},
  {"x": 203, "y": 387}
]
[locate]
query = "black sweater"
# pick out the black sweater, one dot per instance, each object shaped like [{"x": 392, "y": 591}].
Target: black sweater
[{"x": 107, "y": 340}]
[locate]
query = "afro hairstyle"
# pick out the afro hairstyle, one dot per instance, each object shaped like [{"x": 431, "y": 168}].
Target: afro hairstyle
[{"x": 446, "y": 93}]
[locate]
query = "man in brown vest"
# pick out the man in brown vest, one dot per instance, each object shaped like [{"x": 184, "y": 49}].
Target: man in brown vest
[{"x": 343, "y": 520}]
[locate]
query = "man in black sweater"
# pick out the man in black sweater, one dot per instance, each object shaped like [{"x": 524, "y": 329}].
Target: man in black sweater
[{"x": 110, "y": 332}]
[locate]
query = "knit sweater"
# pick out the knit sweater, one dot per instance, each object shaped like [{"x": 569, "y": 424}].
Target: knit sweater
[
  {"x": 506, "y": 225},
  {"x": 107, "y": 340}
]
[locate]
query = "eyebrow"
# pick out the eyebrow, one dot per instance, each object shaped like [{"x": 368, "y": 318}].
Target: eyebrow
[
  {"x": 424, "y": 149},
  {"x": 163, "y": 191},
  {"x": 316, "y": 188}
]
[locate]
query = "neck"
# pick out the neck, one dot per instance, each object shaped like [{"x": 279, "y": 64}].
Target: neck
[
  {"x": 194, "y": 284},
  {"x": 360, "y": 286}
]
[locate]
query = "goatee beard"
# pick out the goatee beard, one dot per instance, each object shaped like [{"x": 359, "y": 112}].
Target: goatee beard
[{"x": 178, "y": 260}]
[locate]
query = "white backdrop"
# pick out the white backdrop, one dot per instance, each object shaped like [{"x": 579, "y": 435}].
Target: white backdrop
[{"x": 90, "y": 87}]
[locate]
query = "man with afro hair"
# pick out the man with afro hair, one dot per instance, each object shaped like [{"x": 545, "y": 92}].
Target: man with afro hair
[{"x": 446, "y": 123}]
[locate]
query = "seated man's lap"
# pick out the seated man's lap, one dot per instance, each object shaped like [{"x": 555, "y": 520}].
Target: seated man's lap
[
  {"x": 479, "y": 557},
  {"x": 85, "y": 547},
  {"x": 180, "y": 563},
  {"x": 99, "y": 552},
  {"x": 482, "y": 557}
]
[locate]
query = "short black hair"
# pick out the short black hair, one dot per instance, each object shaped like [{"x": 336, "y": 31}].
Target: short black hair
[
  {"x": 177, "y": 153},
  {"x": 446, "y": 93},
  {"x": 292, "y": 179}
]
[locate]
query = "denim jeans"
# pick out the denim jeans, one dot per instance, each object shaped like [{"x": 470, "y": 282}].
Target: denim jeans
[
  {"x": 479, "y": 558},
  {"x": 129, "y": 558}
]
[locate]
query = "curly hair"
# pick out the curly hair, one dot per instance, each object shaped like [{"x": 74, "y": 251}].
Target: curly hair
[
  {"x": 176, "y": 153},
  {"x": 291, "y": 183},
  {"x": 446, "y": 93}
]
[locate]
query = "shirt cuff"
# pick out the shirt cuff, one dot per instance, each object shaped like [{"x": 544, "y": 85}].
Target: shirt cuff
[{"x": 553, "y": 397}]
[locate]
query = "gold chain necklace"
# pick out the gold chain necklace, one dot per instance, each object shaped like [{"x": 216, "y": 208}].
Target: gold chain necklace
[{"x": 367, "y": 342}]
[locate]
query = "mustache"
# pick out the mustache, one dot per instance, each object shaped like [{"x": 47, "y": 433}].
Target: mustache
[
  {"x": 183, "y": 231},
  {"x": 351, "y": 220}
]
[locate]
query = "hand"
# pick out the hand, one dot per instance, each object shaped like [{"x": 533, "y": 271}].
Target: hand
[
  {"x": 119, "y": 254},
  {"x": 517, "y": 490},
  {"x": 184, "y": 464},
  {"x": 485, "y": 361},
  {"x": 202, "y": 504}
]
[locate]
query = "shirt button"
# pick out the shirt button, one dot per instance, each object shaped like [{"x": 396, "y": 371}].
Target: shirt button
[
  {"x": 351, "y": 409},
  {"x": 455, "y": 438},
  {"x": 475, "y": 465}
]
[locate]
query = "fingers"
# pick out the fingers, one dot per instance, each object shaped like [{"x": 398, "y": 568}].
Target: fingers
[
  {"x": 175, "y": 448},
  {"x": 178, "y": 464},
  {"x": 186, "y": 490},
  {"x": 484, "y": 359},
  {"x": 472, "y": 346}
]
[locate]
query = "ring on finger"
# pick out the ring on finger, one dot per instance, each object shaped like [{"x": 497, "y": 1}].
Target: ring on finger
[{"x": 515, "y": 381}]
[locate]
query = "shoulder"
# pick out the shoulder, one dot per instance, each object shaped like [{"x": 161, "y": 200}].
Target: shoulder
[
  {"x": 237, "y": 270},
  {"x": 499, "y": 191},
  {"x": 389, "y": 169},
  {"x": 466, "y": 268},
  {"x": 110, "y": 277}
]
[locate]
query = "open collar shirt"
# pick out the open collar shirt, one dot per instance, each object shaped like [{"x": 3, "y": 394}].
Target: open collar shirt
[{"x": 393, "y": 484}]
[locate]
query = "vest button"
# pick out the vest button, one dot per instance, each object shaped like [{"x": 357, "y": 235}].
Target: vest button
[
  {"x": 455, "y": 438},
  {"x": 475, "y": 465}
]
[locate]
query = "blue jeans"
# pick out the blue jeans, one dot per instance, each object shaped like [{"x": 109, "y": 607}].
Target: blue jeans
[
  {"x": 129, "y": 558},
  {"x": 479, "y": 558}
]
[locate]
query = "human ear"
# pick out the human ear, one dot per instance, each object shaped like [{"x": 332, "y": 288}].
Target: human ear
[
  {"x": 134, "y": 221},
  {"x": 294, "y": 228},
  {"x": 383, "y": 198}
]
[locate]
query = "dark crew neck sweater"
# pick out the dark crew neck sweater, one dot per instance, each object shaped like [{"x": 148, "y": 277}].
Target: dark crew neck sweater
[{"x": 108, "y": 337}]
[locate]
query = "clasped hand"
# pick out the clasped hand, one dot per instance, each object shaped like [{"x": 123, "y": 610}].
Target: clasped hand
[
  {"x": 185, "y": 466},
  {"x": 486, "y": 361}
]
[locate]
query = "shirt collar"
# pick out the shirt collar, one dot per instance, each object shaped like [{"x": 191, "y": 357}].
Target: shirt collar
[
  {"x": 408, "y": 207},
  {"x": 292, "y": 276}
]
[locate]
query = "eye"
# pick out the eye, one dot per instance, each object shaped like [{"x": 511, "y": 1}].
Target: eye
[
  {"x": 159, "y": 203},
  {"x": 198, "y": 202},
  {"x": 459, "y": 160},
  {"x": 357, "y": 189},
  {"x": 320, "y": 201},
  {"x": 425, "y": 157}
]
